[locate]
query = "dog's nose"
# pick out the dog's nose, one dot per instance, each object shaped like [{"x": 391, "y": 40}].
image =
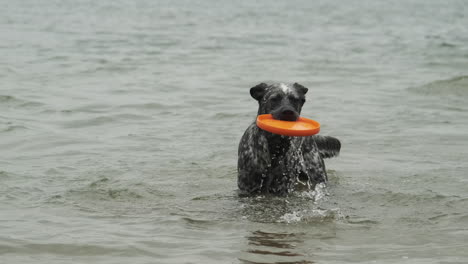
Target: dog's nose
[{"x": 288, "y": 115}]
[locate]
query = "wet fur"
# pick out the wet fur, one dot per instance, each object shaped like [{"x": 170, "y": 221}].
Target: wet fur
[{"x": 270, "y": 163}]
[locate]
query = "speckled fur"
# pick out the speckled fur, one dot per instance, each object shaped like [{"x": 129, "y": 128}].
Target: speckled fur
[{"x": 270, "y": 163}]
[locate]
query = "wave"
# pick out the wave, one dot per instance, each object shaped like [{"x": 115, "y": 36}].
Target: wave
[
  {"x": 10, "y": 100},
  {"x": 457, "y": 86}
]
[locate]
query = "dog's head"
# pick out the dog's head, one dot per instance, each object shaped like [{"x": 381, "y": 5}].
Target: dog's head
[{"x": 282, "y": 101}]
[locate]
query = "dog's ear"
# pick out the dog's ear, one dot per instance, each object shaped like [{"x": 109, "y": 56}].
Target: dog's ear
[
  {"x": 258, "y": 91},
  {"x": 302, "y": 89}
]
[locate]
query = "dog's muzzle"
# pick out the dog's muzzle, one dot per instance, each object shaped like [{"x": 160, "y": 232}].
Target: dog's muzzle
[{"x": 286, "y": 115}]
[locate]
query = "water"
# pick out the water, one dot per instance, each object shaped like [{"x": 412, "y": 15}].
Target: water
[{"x": 119, "y": 125}]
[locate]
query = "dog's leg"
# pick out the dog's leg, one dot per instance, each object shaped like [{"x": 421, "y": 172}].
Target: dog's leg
[
  {"x": 254, "y": 161},
  {"x": 314, "y": 167},
  {"x": 328, "y": 147}
]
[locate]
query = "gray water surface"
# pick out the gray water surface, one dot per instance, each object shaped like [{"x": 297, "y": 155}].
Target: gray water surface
[{"x": 119, "y": 125}]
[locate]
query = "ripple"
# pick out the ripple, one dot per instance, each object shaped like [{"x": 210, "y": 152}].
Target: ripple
[
  {"x": 143, "y": 106},
  {"x": 103, "y": 120},
  {"x": 88, "y": 108},
  {"x": 224, "y": 115},
  {"x": 13, "y": 128},
  {"x": 457, "y": 86},
  {"x": 4, "y": 174},
  {"x": 68, "y": 249},
  {"x": 102, "y": 189},
  {"x": 9, "y": 100},
  {"x": 265, "y": 246},
  {"x": 447, "y": 45}
]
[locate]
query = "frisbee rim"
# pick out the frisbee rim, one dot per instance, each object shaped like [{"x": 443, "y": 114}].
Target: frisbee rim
[{"x": 287, "y": 131}]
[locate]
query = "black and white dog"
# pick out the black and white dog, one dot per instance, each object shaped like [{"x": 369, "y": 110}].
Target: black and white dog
[{"x": 271, "y": 163}]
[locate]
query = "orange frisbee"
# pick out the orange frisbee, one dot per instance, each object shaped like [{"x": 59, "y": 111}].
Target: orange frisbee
[{"x": 301, "y": 127}]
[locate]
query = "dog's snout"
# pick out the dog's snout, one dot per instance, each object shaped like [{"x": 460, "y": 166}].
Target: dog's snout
[{"x": 288, "y": 115}]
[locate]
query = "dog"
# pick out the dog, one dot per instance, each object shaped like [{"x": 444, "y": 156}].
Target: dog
[{"x": 275, "y": 164}]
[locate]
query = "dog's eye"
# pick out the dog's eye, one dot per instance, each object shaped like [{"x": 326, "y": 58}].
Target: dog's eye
[{"x": 296, "y": 100}]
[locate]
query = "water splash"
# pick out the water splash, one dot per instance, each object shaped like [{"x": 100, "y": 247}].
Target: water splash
[
  {"x": 318, "y": 194},
  {"x": 314, "y": 215},
  {"x": 300, "y": 206}
]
